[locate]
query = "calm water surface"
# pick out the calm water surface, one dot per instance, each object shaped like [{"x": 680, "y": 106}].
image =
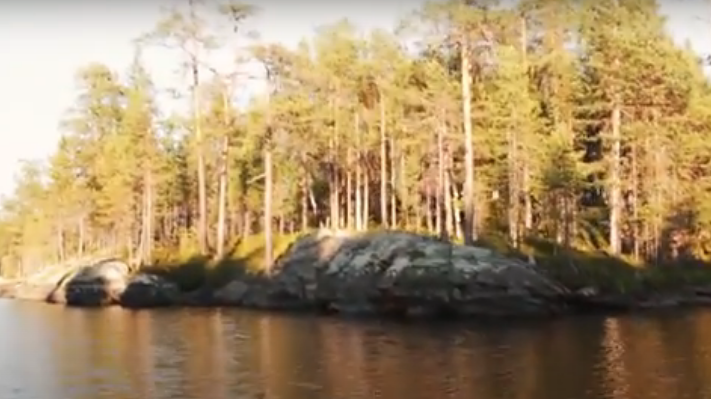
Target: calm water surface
[{"x": 49, "y": 352}]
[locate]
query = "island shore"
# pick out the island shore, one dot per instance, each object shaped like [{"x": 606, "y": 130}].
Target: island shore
[{"x": 382, "y": 274}]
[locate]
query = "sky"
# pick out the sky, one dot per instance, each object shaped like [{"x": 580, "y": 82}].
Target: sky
[{"x": 43, "y": 45}]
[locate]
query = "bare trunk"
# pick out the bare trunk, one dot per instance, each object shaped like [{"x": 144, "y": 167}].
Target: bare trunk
[
  {"x": 568, "y": 221},
  {"x": 304, "y": 204},
  {"x": 338, "y": 177},
  {"x": 268, "y": 207},
  {"x": 202, "y": 194},
  {"x": 176, "y": 221},
  {"x": 358, "y": 199},
  {"x": 659, "y": 179},
  {"x": 349, "y": 191},
  {"x": 333, "y": 175},
  {"x": 338, "y": 221},
  {"x": 312, "y": 201},
  {"x": 418, "y": 213},
  {"x": 148, "y": 254},
  {"x": 366, "y": 199},
  {"x": 441, "y": 186},
  {"x": 282, "y": 225},
  {"x": 527, "y": 203},
  {"x": 383, "y": 166},
  {"x": 615, "y": 165},
  {"x": 513, "y": 191},
  {"x": 268, "y": 181},
  {"x": 359, "y": 175},
  {"x": 526, "y": 178},
  {"x": 81, "y": 239},
  {"x": 615, "y": 189},
  {"x": 448, "y": 200},
  {"x": 401, "y": 190},
  {"x": 247, "y": 220},
  {"x": 428, "y": 209},
  {"x": 438, "y": 225},
  {"x": 457, "y": 212},
  {"x": 222, "y": 184},
  {"x": 202, "y": 189},
  {"x": 393, "y": 186},
  {"x": 635, "y": 205},
  {"x": 560, "y": 218},
  {"x": 222, "y": 198},
  {"x": 469, "y": 219},
  {"x": 332, "y": 203},
  {"x": 60, "y": 244},
  {"x": 146, "y": 243}
]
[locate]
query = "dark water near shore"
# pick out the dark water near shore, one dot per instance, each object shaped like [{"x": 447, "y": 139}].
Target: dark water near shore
[{"x": 49, "y": 352}]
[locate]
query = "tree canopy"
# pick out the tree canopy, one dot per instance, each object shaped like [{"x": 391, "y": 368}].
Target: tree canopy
[{"x": 580, "y": 123}]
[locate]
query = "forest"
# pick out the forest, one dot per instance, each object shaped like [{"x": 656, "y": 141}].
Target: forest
[{"x": 581, "y": 124}]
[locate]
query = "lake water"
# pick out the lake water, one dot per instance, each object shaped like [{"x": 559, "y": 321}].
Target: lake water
[{"x": 50, "y": 352}]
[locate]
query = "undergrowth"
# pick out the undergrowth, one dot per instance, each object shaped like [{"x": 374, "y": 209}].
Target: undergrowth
[{"x": 573, "y": 267}]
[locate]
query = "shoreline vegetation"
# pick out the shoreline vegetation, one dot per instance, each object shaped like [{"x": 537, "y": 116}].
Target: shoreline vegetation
[
  {"x": 576, "y": 282},
  {"x": 561, "y": 146},
  {"x": 611, "y": 282}
]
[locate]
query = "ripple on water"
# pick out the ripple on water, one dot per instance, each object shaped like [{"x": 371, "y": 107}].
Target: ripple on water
[{"x": 54, "y": 353}]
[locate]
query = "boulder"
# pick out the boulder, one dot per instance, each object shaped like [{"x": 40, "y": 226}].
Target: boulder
[
  {"x": 231, "y": 294},
  {"x": 404, "y": 273},
  {"x": 58, "y": 293},
  {"x": 148, "y": 291},
  {"x": 100, "y": 284}
]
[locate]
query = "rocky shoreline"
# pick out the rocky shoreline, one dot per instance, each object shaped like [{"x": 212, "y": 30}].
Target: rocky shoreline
[{"x": 383, "y": 274}]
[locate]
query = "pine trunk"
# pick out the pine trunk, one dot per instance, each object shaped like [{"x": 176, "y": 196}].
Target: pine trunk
[
  {"x": 469, "y": 219},
  {"x": 383, "y": 166}
]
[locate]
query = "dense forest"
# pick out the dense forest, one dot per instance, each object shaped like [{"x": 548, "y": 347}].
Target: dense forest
[{"x": 580, "y": 123}]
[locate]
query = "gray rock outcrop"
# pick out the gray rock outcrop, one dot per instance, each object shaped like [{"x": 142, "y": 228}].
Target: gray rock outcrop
[
  {"x": 404, "y": 273},
  {"x": 100, "y": 284}
]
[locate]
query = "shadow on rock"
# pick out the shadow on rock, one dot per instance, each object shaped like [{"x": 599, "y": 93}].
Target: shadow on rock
[{"x": 149, "y": 291}]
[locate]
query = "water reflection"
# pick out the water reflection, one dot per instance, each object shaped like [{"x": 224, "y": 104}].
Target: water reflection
[{"x": 55, "y": 353}]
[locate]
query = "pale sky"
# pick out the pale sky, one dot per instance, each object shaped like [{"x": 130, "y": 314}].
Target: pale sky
[{"x": 43, "y": 44}]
